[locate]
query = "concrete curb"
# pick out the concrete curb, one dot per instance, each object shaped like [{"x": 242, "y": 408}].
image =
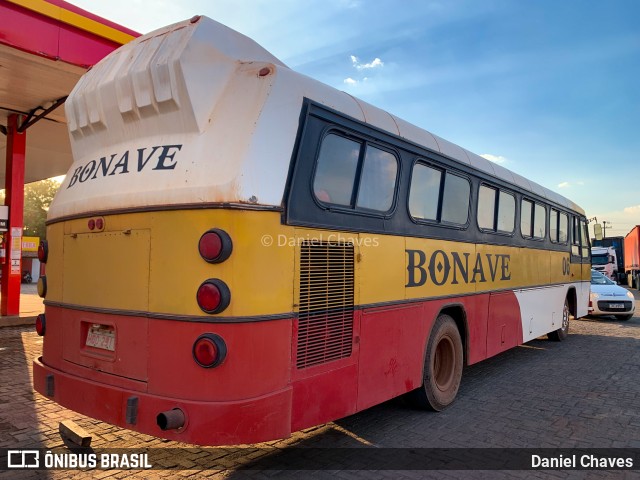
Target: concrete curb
[{"x": 16, "y": 321}]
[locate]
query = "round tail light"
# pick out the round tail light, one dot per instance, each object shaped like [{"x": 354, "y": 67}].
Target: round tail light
[
  {"x": 91, "y": 224},
  {"x": 43, "y": 251},
  {"x": 213, "y": 296},
  {"x": 42, "y": 286},
  {"x": 209, "y": 350},
  {"x": 215, "y": 245},
  {"x": 41, "y": 324}
]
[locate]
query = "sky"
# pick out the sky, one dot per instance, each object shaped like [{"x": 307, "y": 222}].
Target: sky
[{"x": 549, "y": 89}]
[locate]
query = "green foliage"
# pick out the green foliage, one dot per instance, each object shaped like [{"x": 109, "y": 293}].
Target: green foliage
[{"x": 37, "y": 198}]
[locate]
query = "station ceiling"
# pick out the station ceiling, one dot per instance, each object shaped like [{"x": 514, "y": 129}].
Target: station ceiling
[{"x": 45, "y": 47}]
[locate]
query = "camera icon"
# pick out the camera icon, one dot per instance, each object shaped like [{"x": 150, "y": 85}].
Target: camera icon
[{"x": 23, "y": 459}]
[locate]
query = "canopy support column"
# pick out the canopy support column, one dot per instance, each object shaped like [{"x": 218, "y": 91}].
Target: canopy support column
[{"x": 14, "y": 199}]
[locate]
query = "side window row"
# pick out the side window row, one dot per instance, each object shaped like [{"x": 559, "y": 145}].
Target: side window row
[{"x": 354, "y": 173}]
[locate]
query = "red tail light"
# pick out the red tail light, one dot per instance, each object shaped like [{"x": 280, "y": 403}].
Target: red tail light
[
  {"x": 95, "y": 224},
  {"x": 41, "y": 324},
  {"x": 215, "y": 245},
  {"x": 209, "y": 350},
  {"x": 42, "y": 286},
  {"x": 213, "y": 296},
  {"x": 43, "y": 251}
]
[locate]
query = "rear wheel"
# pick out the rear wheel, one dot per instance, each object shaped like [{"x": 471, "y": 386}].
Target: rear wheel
[
  {"x": 442, "y": 367},
  {"x": 563, "y": 331},
  {"x": 624, "y": 317}
]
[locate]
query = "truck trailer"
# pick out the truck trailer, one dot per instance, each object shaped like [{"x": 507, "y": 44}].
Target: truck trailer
[{"x": 632, "y": 257}]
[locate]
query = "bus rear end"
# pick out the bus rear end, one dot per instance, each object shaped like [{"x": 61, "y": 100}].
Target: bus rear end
[{"x": 161, "y": 313}]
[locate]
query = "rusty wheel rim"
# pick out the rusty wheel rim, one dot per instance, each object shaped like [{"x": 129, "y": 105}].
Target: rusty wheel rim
[{"x": 444, "y": 364}]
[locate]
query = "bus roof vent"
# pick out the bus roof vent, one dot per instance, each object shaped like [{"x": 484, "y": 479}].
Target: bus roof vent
[{"x": 325, "y": 319}]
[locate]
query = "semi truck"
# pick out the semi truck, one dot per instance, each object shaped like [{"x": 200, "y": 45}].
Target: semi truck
[
  {"x": 605, "y": 261},
  {"x": 632, "y": 257},
  {"x": 617, "y": 243}
]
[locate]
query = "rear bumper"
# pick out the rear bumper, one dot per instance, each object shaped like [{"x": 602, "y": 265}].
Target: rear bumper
[{"x": 207, "y": 423}]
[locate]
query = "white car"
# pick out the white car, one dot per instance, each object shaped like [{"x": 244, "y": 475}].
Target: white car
[{"x": 607, "y": 298}]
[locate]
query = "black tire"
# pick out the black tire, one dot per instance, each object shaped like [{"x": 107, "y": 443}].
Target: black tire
[
  {"x": 563, "y": 332},
  {"x": 442, "y": 367},
  {"x": 624, "y": 317}
]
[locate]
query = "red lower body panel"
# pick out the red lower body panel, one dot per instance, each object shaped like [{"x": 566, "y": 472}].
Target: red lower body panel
[
  {"x": 259, "y": 393},
  {"x": 207, "y": 423}
]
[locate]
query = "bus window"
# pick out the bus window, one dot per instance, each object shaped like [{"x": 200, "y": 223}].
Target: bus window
[
  {"x": 533, "y": 220},
  {"x": 553, "y": 225},
  {"x": 506, "y": 212},
  {"x": 486, "y": 207},
  {"x": 558, "y": 226},
  {"x": 575, "y": 237},
  {"x": 425, "y": 192},
  {"x": 378, "y": 180},
  {"x": 563, "y": 228},
  {"x": 336, "y": 170},
  {"x": 424, "y": 197},
  {"x": 455, "y": 200},
  {"x": 497, "y": 217},
  {"x": 540, "y": 222},
  {"x": 584, "y": 239},
  {"x": 526, "y": 214}
]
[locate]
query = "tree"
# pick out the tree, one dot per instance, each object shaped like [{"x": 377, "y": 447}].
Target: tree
[{"x": 37, "y": 198}]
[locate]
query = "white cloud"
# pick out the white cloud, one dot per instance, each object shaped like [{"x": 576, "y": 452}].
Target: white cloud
[
  {"x": 494, "y": 158},
  {"x": 578, "y": 183},
  {"x": 376, "y": 63},
  {"x": 350, "y": 81},
  {"x": 634, "y": 210}
]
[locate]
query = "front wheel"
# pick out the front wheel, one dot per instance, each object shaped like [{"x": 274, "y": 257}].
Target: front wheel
[
  {"x": 563, "y": 332},
  {"x": 442, "y": 367}
]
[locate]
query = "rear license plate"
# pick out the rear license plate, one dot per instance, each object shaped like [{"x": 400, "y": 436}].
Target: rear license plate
[
  {"x": 102, "y": 337},
  {"x": 616, "y": 305}
]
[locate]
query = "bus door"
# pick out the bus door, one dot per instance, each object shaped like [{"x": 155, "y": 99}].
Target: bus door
[{"x": 580, "y": 260}]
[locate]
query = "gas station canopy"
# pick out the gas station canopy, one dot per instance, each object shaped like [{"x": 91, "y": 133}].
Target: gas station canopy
[{"x": 45, "y": 47}]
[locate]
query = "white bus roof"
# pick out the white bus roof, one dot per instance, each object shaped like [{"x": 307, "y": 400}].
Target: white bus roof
[{"x": 151, "y": 124}]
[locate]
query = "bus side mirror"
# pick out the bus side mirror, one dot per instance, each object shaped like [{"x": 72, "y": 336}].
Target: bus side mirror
[{"x": 597, "y": 231}]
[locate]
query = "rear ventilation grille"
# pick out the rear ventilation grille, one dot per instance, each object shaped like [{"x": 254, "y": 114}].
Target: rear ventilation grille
[{"x": 325, "y": 320}]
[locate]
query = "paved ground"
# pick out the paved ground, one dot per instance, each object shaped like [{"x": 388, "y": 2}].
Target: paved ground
[
  {"x": 581, "y": 393},
  {"x": 30, "y": 306}
]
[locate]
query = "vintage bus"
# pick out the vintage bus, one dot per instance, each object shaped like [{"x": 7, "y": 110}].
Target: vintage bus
[{"x": 239, "y": 251}]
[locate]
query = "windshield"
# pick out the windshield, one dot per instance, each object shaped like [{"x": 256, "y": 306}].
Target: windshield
[
  {"x": 599, "y": 279},
  {"x": 599, "y": 259}
]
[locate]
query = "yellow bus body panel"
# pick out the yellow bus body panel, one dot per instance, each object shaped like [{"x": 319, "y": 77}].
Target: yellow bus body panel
[{"x": 149, "y": 262}]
